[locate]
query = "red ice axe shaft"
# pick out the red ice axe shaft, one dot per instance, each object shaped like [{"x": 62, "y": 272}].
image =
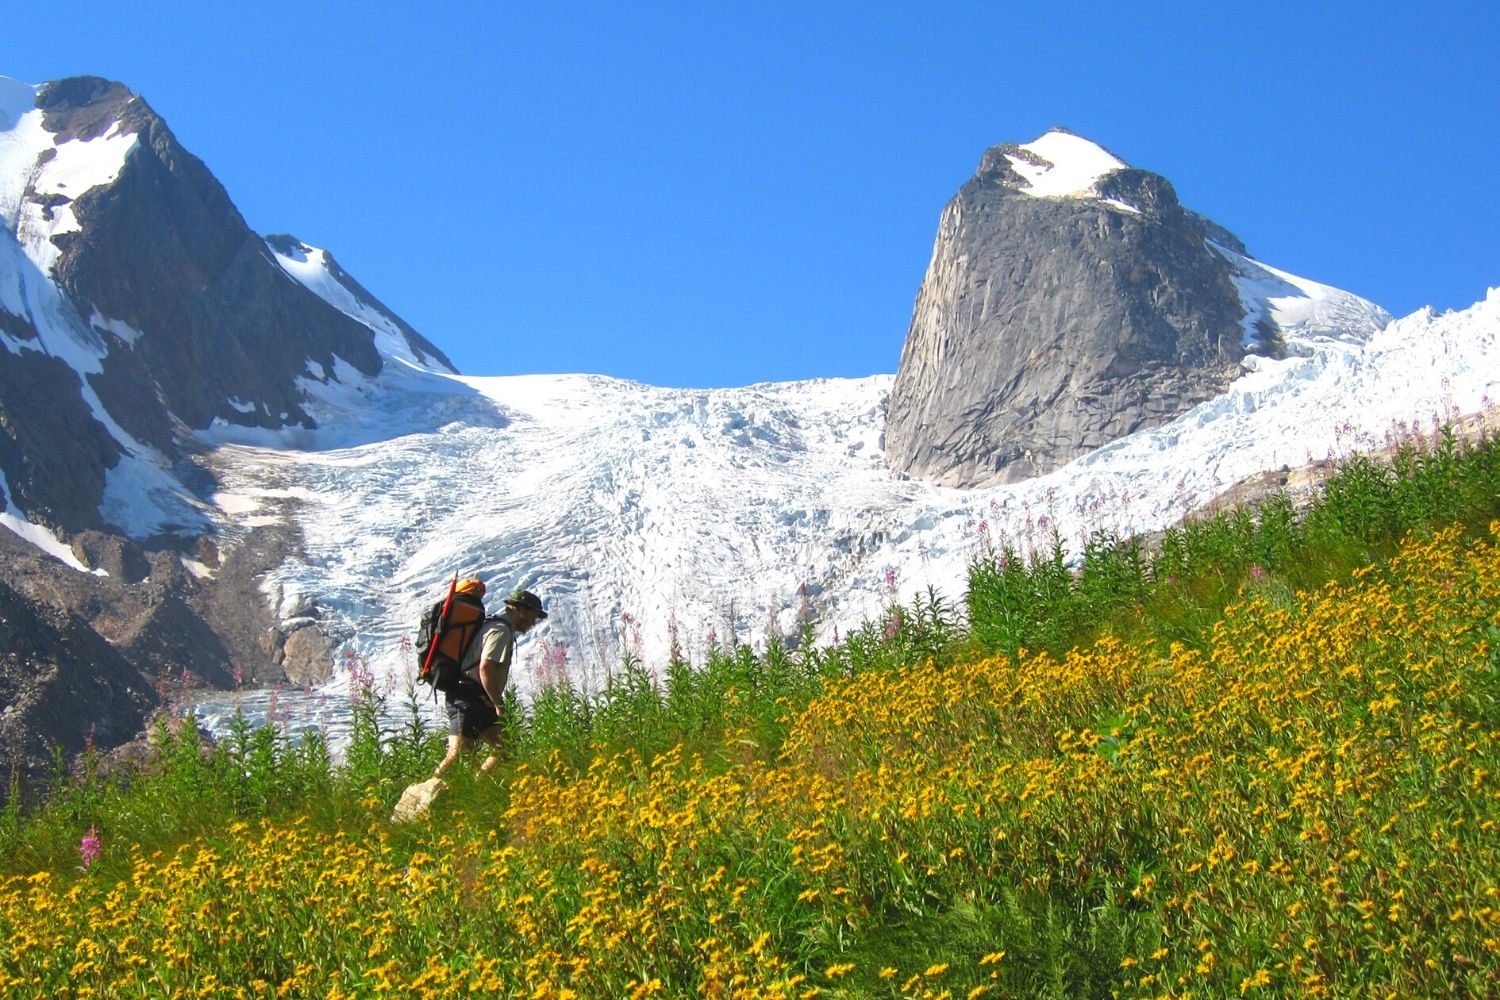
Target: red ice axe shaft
[{"x": 437, "y": 637}]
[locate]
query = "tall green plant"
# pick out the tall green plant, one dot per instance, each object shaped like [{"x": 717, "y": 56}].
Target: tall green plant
[{"x": 1203, "y": 564}]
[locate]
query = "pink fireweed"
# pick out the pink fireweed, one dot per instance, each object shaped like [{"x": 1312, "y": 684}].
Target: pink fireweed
[{"x": 89, "y": 847}]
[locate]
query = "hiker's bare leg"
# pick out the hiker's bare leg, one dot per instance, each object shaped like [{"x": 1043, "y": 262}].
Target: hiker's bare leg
[
  {"x": 493, "y": 738},
  {"x": 456, "y": 746}
]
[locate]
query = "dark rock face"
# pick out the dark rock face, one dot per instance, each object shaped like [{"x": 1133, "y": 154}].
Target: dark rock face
[
  {"x": 169, "y": 640},
  {"x": 163, "y": 249},
  {"x": 18, "y": 327},
  {"x": 61, "y": 684},
  {"x": 149, "y": 626},
  {"x": 1049, "y": 326},
  {"x": 288, "y": 244},
  {"x": 53, "y": 452}
]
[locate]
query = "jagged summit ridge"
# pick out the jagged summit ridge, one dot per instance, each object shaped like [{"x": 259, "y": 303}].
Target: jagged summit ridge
[{"x": 316, "y": 269}]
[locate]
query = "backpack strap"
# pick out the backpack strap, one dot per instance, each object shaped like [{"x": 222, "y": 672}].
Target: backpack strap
[{"x": 489, "y": 622}]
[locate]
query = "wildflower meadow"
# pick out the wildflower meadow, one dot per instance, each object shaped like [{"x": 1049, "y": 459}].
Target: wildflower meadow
[{"x": 1255, "y": 757}]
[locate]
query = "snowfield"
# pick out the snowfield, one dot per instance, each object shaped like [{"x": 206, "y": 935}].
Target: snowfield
[{"x": 642, "y": 513}]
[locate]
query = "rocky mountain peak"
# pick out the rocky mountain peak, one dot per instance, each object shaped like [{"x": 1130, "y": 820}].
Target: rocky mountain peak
[
  {"x": 82, "y": 107},
  {"x": 137, "y": 308},
  {"x": 135, "y": 297},
  {"x": 1070, "y": 300},
  {"x": 1057, "y": 164}
]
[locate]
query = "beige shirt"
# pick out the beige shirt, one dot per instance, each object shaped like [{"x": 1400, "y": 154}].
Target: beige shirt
[{"x": 497, "y": 644}]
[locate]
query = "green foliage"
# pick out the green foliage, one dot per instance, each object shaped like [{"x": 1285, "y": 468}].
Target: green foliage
[
  {"x": 737, "y": 689},
  {"x": 1042, "y": 602},
  {"x": 1034, "y": 602},
  {"x": 1068, "y": 915}
]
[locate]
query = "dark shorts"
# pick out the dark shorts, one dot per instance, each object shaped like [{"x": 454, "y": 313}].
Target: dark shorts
[{"x": 470, "y": 712}]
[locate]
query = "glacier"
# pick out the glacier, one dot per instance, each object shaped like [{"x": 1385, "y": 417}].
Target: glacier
[{"x": 646, "y": 516}]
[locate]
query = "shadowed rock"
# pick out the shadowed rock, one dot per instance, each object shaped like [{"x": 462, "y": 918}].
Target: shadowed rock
[{"x": 61, "y": 685}]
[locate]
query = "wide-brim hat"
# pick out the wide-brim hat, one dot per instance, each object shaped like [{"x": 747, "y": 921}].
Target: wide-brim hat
[{"x": 526, "y": 599}]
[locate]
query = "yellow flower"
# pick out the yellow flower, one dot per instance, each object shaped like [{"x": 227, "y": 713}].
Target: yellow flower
[{"x": 1261, "y": 978}]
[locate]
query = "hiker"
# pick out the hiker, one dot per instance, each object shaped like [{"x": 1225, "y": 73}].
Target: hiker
[{"x": 474, "y": 700}]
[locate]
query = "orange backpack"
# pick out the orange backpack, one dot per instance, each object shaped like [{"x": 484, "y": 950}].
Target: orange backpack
[{"x": 442, "y": 642}]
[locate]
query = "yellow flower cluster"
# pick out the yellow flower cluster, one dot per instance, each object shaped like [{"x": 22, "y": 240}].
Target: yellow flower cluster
[{"x": 1304, "y": 805}]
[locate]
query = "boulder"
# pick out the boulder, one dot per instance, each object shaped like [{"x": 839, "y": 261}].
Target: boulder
[
  {"x": 308, "y": 657},
  {"x": 417, "y": 799},
  {"x": 117, "y": 555}
]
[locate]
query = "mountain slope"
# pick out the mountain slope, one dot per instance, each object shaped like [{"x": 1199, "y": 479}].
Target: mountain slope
[
  {"x": 136, "y": 307},
  {"x": 125, "y": 260}
]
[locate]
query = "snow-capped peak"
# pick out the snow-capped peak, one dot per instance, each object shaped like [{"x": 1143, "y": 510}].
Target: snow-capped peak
[{"x": 1062, "y": 165}]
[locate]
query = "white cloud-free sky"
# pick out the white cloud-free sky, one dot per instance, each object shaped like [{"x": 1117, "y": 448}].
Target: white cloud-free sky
[{"x": 713, "y": 195}]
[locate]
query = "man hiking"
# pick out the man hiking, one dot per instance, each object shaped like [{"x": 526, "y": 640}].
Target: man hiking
[{"x": 474, "y": 701}]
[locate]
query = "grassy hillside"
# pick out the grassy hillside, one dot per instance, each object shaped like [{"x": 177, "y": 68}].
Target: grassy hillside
[{"x": 1259, "y": 761}]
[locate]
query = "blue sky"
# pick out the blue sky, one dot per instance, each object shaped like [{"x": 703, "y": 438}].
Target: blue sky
[{"x": 721, "y": 194}]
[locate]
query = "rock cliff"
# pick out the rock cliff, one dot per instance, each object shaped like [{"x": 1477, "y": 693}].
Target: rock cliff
[{"x": 1070, "y": 300}]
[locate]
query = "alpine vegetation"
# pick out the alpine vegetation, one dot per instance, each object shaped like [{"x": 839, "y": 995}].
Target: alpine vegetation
[{"x": 1254, "y": 757}]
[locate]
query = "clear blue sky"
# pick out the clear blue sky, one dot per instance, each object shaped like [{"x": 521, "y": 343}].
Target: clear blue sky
[{"x": 719, "y": 194}]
